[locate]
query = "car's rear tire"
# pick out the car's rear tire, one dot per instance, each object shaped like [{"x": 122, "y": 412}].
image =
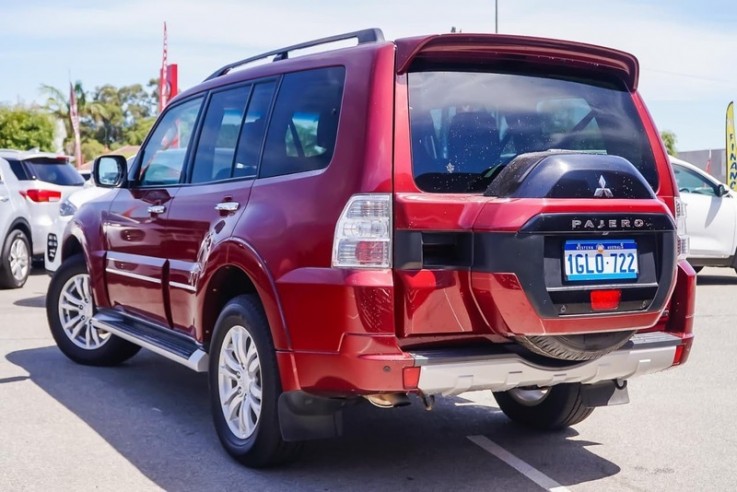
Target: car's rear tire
[
  {"x": 552, "y": 408},
  {"x": 69, "y": 309},
  {"x": 16, "y": 260},
  {"x": 245, "y": 386},
  {"x": 576, "y": 347}
]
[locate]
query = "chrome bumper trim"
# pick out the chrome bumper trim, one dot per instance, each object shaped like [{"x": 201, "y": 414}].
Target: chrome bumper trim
[{"x": 445, "y": 374}]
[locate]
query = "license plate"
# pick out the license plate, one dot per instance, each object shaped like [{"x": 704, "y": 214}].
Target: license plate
[{"x": 608, "y": 259}]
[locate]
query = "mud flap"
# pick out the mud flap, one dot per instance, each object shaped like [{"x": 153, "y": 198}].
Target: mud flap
[
  {"x": 605, "y": 393},
  {"x": 303, "y": 417}
]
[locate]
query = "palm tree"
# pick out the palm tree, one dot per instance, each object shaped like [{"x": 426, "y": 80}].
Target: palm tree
[{"x": 91, "y": 114}]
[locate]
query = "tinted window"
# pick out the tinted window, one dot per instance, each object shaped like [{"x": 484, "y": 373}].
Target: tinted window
[
  {"x": 254, "y": 128},
  {"x": 162, "y": 159},
  {"x": 304, "y": 125},
  {"x": 18, "y": 170},
  {"x": 216, "y": 148},
  {"x": 690, "y": 182},
  {"x": 466, "y": 126},
  {"x": 54, "y": 171}
]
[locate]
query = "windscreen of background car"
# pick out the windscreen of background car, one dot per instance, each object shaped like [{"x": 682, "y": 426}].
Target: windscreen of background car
[
  {"x": 465, "y": 126},
  {"x": 54, "y": 171}
]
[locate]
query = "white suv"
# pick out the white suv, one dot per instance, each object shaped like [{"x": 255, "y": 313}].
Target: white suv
[
  {"x": 711, "y": 217},
  {"x": 15, "y": 231},
  {"x": 33, "y": 185}
]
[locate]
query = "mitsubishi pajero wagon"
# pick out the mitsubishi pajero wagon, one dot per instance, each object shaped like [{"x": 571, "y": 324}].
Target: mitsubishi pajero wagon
[{"x": 389, "y": 222}]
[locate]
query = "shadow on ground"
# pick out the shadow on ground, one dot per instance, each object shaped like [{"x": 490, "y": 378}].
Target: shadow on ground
[{"x": 156, "y": 414}]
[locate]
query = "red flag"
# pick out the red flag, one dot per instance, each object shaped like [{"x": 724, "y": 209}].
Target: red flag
[
  {"x": 708, "y": 163},
  {"x": 74, "y": 117},
  {"x": 163, "y": 76}
]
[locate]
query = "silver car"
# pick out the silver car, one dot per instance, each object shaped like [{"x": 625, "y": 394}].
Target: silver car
[{"x": 33, "y": 185}]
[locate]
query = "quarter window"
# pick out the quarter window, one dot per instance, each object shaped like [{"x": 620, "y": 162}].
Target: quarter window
[
  {"x": 304, "y": 125},
  {"x": 162, "y": 159}
]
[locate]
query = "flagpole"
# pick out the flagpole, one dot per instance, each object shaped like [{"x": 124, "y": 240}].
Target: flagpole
[
  {"x": 163, "y": 82},
  {"x": 74, "y": 118}
]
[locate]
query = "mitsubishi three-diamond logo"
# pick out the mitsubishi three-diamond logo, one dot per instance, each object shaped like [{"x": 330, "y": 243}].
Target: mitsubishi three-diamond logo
[{"x": 603, "y": 191}]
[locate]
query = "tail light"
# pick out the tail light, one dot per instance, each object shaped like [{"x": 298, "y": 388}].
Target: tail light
[
  {"x": 42, "y": 196},
  {"x": 683, "y": 246},
  {"x": 363, "y": 235}
]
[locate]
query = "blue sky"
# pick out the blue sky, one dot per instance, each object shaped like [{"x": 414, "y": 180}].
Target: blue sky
[{"x": 687, "y": 50}]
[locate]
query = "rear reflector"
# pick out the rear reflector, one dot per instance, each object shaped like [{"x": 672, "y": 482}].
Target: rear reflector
[
  {"x": 411, "y": 377},
  {"x": 42, "y": 196},
  {"x": 605, "y": 300}
]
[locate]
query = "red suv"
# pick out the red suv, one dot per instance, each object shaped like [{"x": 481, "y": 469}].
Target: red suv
[{"x": 422, "y": 217}]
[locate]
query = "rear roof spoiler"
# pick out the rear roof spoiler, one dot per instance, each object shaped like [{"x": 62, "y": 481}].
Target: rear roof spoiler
[{"x": 501, "y": 46}]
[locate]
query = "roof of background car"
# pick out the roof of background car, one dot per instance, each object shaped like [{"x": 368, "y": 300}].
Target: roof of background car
[
  {"x": 676, "y": 160},
  {"x": 30, "y": 154},
  {"x": 693, "y": 167}
]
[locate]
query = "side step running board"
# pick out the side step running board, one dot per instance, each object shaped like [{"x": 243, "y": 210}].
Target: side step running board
[{"x": 159, "y": 340}]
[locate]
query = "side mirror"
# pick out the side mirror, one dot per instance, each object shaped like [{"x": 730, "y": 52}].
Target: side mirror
[
  {"x": 722, "y": 190},
  {"x": 110, "y": 171}
]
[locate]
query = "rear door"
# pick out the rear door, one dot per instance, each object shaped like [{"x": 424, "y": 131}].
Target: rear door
[
  {"x": 219, "y": 186},
  {"x": 135, "y": 225},
  {"x": 710, "y": 219},
  {"x": 459, "y": 142}
]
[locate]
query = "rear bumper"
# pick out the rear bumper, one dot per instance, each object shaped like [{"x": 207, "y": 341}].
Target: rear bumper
[
  {"x": 363, "y": 369},
  {"x": 451, "y": 373}
]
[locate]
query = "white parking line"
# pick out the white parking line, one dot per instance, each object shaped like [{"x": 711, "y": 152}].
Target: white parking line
[{"x": 533, "y": 474}]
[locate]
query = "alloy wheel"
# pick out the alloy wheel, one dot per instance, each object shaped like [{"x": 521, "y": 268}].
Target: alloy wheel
[
  {"x": 76, "y": 309},
  {"x": 239, "y": 382},
  {"x": 19, "y": 259}
]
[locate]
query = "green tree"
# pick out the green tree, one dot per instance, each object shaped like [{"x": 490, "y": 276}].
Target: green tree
[
  {"x": 92, "y": 148},
  {"x": 669, "y": 140},
  {"x": 25, "y": 128}
]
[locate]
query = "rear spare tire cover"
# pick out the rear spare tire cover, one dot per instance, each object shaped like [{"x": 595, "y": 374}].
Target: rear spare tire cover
[{"x": 576, "y": 347}]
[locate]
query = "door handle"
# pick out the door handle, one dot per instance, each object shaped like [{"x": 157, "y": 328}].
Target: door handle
[
  {"x": 4, "y": 198},
  {"x": 227, "y": 206},
  {"x": 156, "y": 209}
]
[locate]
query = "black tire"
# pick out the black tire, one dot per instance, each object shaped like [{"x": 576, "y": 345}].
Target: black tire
[
  {"x": 7, "y": 279},
  {"x": 112, "y": 351},
  {"x": 264, "y": 446},
  {"x": 576, "y": 347},
  {"x": 561, "y": 407}
]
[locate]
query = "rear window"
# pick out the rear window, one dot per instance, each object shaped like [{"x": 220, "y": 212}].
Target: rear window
[
  {"x": 54, "y": 171},
  {"x": 466, "y": 126}
]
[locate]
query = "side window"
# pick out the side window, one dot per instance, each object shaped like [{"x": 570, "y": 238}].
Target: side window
[
  {"x": 252, "y": 133},
  {"x": 216, "y": 147},
  {"x": 690, "y": 182},
  {"x": 162, "y": 159},
  {"x": 304, "y": 124},
  {"x": 18, "y": 170}
]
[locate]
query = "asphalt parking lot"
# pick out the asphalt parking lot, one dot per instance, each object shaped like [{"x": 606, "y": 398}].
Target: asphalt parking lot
[{"x": 146, "y": 426}]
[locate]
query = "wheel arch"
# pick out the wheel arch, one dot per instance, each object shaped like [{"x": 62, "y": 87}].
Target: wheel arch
[
  {"x": 243, "y": 273},
  {"x": 22, "y": 224}
]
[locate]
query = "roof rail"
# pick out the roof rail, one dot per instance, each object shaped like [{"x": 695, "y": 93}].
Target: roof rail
[{"x": 364, "y": 36}]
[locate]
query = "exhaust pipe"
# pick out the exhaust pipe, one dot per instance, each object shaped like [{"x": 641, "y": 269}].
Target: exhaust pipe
[{"x": 388, "y": 400}]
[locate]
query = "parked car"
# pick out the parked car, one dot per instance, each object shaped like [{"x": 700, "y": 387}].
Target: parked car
[
  {"x": 15, "y": 232},
  {"x": 386, "y": 220},
  {"x": 67, "y": 208},
  {"x": 42, "y": 180},
  {"x": 711, "y": 216}
]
